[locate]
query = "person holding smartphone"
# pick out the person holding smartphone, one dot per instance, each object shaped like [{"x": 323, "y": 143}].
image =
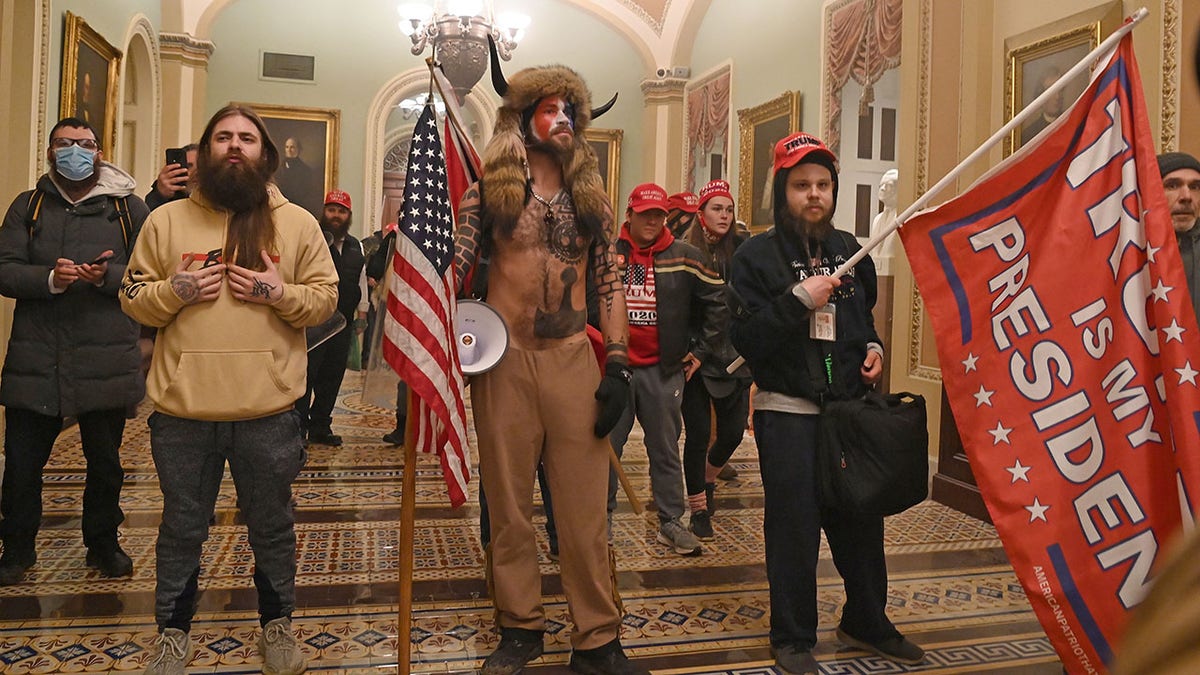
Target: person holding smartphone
[
  {"x": 173, "y": 177},
  {"x": 72, "y": 352}
]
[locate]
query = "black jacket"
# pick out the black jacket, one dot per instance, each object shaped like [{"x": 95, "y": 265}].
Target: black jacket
[
  {"x": 689, "y": 300},
  {"x": 349, "y": 263},
  {"x": 74, "y": 352},
  {"x": 770, "y": 325}
]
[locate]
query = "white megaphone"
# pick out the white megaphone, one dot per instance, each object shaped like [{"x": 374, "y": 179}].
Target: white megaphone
[{"x": 482, "y": 336}]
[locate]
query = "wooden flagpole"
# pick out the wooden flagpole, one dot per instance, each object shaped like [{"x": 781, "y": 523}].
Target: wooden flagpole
[{"x": 408, "y": 506}]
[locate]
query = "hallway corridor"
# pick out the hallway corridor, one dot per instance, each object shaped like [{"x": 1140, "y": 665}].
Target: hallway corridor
[{"x": 952, "y": 590}]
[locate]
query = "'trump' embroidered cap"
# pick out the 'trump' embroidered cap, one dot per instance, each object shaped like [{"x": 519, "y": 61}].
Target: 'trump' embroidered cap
[
  {"x": 791, "y": 150},
  {"x": 648, "y": 196}
]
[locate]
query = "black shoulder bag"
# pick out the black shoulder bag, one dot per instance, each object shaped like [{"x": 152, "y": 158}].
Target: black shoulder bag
[{"x": 872, "y": 452}]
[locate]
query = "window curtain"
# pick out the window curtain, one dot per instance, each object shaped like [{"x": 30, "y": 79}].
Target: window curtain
[{"x": 862, "y": 42}]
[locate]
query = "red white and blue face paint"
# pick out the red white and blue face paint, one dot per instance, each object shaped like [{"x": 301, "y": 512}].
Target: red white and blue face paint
[{"x": 552, "y": 116}]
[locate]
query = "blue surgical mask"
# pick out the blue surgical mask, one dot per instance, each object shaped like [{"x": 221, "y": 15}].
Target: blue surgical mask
[{"x": 74, "y": 162}]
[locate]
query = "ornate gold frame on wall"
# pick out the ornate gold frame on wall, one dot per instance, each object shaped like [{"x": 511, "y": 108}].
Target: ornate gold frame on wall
[
  {"x": 329, "y": 117},
  {"x": 1087, "y": 36},
  {"x": 76, "y": 34},
  {"x": 607, "y": 145},
  {"x": 754, "y": 170}
]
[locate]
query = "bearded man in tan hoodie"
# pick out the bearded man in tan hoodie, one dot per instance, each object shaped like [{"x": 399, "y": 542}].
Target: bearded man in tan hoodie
[{"x": 230, "y": 277}]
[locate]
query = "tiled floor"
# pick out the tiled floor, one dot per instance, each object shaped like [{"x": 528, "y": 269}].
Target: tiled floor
[{"x": 951, "y": 589}]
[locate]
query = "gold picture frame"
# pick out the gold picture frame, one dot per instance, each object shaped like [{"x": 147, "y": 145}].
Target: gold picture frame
[
  {"x": 1035, "y": 63},
  {"x": 316, "y": 132},
  {"x": 88, "y": 90},
  {"x": 606, "y": 143},
  {"x": 759, "y": 129}
]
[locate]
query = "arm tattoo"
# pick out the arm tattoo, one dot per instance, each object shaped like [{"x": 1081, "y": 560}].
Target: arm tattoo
[
  {"x": 605, "y": 273},
  {"x": 261, "y": 289},
  {"x": 185, "y": 287},
  {"x": 469, "y": 235}
]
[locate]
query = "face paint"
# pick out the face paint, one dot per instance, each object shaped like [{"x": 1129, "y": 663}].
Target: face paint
[{"x": 551, "y": 115}]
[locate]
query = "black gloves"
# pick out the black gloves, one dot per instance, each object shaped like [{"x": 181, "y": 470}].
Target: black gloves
[{"x": 613, "y": 394}]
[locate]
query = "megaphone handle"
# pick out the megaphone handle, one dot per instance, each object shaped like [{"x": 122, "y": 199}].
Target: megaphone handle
[{"x": 625, "y": 485}]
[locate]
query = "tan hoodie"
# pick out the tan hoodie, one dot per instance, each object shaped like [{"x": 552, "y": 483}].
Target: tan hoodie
[{"x": 227, "y": 360}]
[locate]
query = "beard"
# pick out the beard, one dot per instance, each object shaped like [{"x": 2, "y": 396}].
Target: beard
[
  {"x": 551, "y": 146},
  {"x": 338, "y": 231},
  {"x": 76, "y": 186},
  {"x": 816, "y": 231},
  {"x": 237, "y": 187}
]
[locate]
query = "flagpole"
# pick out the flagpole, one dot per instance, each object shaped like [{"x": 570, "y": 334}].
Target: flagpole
[
  {"x": 987, "y": 146},
  {"x": 408, "y": 507}
]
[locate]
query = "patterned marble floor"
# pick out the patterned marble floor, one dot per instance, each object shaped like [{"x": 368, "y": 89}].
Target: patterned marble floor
[{"x": 951, "y": 588}]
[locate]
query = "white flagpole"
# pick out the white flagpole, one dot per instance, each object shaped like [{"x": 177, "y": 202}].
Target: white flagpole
[
  {"x": 987, "y": 146},
  {"x": 1034, "y": 106}
]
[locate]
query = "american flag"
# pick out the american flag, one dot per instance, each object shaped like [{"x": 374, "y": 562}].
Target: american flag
[
  {"x": 418, "y": 335},
  {"x": 639, "y": 294}
]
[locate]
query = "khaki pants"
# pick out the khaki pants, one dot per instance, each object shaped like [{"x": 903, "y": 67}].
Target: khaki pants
[{"x": 540, "y": 405}]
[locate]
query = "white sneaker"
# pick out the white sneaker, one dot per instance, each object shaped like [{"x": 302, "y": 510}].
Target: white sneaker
[
  {"x": 280, "y": 651},
  {"x": 674, "y": 534},
  {"x": 171, "y": 654}
]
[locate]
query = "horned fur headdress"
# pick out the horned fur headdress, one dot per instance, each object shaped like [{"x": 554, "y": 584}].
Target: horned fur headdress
[{"x": 505, "y": 187}]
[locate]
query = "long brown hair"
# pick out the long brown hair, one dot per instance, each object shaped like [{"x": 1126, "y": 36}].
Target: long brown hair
[
  {"x": 251, "y": 229},
  {"x": 722, "y": 251}
]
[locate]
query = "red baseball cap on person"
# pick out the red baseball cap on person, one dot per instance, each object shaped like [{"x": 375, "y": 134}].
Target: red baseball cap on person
[
  {"x": 790, "y": 150},
  {"x": 715, "y": 188},
  {"x": 338, "y": 197},
  {"x": 648, "y": 196},
  {"x": 684, "y": 201}
]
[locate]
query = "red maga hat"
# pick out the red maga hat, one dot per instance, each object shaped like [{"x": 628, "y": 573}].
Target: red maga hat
[
  {"x": 338, "y": 197},
  {"x": 684, "y": 201},
  {"x": 648, "y": 196},
  {"x": 715, "y": 188}
]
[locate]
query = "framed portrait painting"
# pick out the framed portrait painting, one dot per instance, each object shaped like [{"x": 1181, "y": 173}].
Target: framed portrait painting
[
  {"x": 307, "y": 139},
  {"x": 90, "y": 68},
  {"x": 760, "y": 128},
  {"x": 606, "y": 143},
  {"x": 1031, "y": 67}
]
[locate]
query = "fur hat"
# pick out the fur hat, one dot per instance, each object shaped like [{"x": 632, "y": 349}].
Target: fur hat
[{"x": 504, "y": 158}]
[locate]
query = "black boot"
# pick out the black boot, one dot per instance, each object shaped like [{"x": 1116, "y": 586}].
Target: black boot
[
  {"x": 110, "y": 560},
  {"x": 14, "y": 563},
  {"x": 608, "y": 659},
  {"x": 518, "y": 646}
]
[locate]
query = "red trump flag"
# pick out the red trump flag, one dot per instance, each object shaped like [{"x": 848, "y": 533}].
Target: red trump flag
[{"x": 1070, "y": 357}]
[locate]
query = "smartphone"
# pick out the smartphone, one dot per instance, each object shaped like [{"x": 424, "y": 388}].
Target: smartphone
[
  {"x": 177, "y": 156},
  {"x": 102, "y": 259}
]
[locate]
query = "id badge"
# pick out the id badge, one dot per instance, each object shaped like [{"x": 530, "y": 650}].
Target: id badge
[{"x": 823, "y": 324}]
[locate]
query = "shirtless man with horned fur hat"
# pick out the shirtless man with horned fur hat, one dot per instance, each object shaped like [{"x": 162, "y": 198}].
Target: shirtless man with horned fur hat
[{"x": 541, "y": 216}]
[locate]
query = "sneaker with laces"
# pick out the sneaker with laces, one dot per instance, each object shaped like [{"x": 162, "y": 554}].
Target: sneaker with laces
[
  {"x": 673, "y": 534},
  {"x": 795, "y": 661},
  {"x": 701, "y": 525},
  {"x": 518, "y": 646},
  {"x": 607, "y": 659},
  {"x": 897, "y": 648},
  {"x": 110, "y": 560},
  {"x": 171, "y": 653},
  {"x": 280, "y": 651}
]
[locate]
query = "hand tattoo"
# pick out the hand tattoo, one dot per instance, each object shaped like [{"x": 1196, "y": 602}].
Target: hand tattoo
[
  {"x": 185, "y": 287},
  {"x": 261, "y": 289}
]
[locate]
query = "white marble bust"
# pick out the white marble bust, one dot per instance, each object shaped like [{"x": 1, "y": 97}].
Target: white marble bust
[{"x": 882, "y": 255}]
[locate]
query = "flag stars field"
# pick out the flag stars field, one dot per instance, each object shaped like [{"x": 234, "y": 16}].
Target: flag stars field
[
  {"x": 1186, "y": 374},
  {"x": 1037, "y": 511},
  {"x": 1160, "y": 291},
  {"x": 1174, "y": 331},
  {"x": 969, "y": 363},
  {"x": 983, "y": 397},
  {"x": 1019, "y": 471},
  {"x": 1000, "y": 434}
]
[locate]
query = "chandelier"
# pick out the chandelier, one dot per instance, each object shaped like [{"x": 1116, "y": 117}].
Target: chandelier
[{"x": 457, "y": 31}]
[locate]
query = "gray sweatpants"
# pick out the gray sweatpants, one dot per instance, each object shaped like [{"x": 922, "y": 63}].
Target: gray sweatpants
[
  {"x": 656, "y": 399},
  {"x": 265, "y": 455}
]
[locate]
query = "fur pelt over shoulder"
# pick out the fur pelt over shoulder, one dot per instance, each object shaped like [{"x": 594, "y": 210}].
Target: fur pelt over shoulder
[{"x": 504, "y": 158}]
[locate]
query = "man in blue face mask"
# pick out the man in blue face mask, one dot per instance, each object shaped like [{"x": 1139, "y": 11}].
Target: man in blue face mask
[{"x": 73, "y": 352}]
